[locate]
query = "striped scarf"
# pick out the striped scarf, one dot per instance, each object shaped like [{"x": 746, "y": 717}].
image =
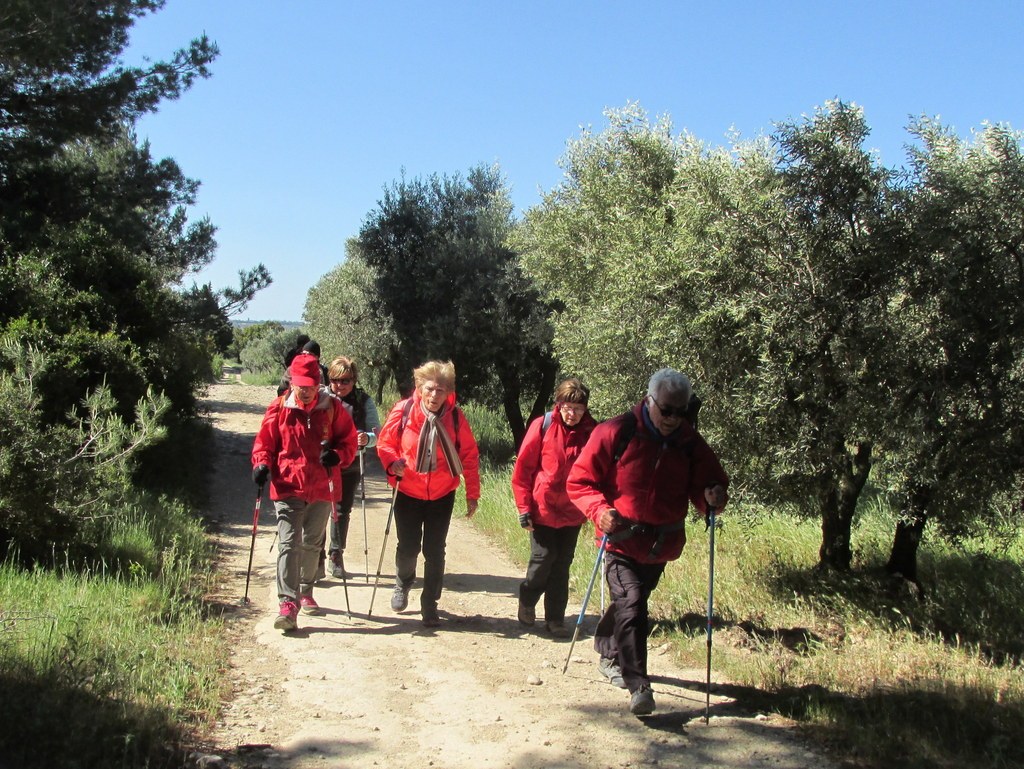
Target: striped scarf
[{"x": 432, "y": 433}]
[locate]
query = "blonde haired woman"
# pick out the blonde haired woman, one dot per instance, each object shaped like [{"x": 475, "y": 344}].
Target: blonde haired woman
[{"x": 427, "y": 446}]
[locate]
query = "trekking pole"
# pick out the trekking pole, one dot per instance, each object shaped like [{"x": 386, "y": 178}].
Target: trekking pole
[
  {"x": 334, "y": 513},
  {"x": 252, "y": 543},
  {"x": 362, "y": 498},
  {"x": 711, "y": 603},
  {"x": 387, "y": 528},
  {"x": 586, "y": 599}
]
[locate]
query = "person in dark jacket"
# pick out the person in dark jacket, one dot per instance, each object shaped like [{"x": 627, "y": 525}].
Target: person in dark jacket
[
  {"x": 549, "y": 449},
  {"x": 304, "y": 437},
  {"x": 343, "y": 374},
  {"x": 636, "y": 479}
]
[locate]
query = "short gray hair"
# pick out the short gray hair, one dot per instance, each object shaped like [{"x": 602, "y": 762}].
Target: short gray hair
[{"x": 670, "y": 382}]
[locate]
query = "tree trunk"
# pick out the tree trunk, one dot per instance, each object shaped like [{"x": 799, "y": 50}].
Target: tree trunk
[
  {"x": 907, "y": 539},
  {"x": 545, "y": 391},
  {"x": 835, "y": 551},
  {"x": 513, "y": 414},
  {"x": 838, "y": 507}
]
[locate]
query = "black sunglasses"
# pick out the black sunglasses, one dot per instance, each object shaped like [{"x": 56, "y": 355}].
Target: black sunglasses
[
  {"x": 345, "y": 381},
  {"x": 670, "y": 411}
]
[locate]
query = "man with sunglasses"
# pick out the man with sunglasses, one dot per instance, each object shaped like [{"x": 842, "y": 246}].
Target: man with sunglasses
[{"x": 635, "y": 479}]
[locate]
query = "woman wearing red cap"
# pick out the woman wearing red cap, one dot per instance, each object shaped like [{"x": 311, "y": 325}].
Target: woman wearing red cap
[{"x": 305, "y": 436}]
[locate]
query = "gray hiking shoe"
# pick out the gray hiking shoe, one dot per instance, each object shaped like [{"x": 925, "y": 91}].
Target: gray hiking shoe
[
  {"x": 641, "y": 702},
  {"x": 399, "y": 598},
  {"x": 610, "y": 669},
  {"x": 338, "y": 566}
]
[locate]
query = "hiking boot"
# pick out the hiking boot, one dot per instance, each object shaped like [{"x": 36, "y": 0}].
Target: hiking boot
[
  {"x": 308, "y": 605},
  {"x": 527, "y": 614},
  {"x": 430, "y": 619},
  {"x": 557, "y": 628},
  {"x": 286, "y": 617},
  {"x": 399, "y": 598},
  {"x": 338, "y": 566},
  {"x": 610, "y": 669},
  {"x": 641, "y": 702}
]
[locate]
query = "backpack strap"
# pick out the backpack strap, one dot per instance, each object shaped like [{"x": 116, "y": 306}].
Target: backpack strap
[
  {"x": 624, "y": 435},
  {"x": 545, "y": 424}
]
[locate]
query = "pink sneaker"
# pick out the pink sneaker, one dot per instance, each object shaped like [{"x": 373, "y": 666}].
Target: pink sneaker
[
  {"x": 286, "y": 616},
  {"x": 308, "y": 605}
]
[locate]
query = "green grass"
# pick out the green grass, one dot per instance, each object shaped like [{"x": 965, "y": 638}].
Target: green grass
[
  {"x": 879, "y": 676},
  {"x": 115, "y": 665},
  {"x": 261, "y": 380}
]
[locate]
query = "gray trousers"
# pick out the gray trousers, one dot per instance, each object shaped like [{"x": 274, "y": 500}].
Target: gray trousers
[{"x": 300, "y": 533}]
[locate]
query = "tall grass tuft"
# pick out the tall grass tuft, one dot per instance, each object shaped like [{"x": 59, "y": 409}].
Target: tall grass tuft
[{"x": 114, "y": 663}]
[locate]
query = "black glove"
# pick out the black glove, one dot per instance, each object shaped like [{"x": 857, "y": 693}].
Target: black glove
[
  {"x": 524, "y": 520},
  {"x": 259, "y": 474},
  {"x": 329, "y": 457}
]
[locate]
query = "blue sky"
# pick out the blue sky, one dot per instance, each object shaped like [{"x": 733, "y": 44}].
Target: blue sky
[{"x": 315, "y": 107}]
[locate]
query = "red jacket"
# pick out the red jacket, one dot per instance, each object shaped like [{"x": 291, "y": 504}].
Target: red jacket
[
  {"x": 652, "y": 483},
  {"x": 394, "y": 443},
  {"x": 288, "y": 442},
  {"x": 538, "y": 478}
]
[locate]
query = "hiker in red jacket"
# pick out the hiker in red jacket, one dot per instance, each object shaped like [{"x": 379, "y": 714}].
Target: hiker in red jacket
[
  {"x": 635, "y": 480},
  {"x": 549, "y": 449},
  {"x": 304, "y": 437},
  {"x": 426, "y": 444}
]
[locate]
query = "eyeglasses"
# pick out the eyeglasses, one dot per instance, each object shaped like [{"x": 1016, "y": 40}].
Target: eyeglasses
[
  {"x": 345, "y": 381},
  {"x": 574, "y": 408},
  {"x": 670, "y": 411}
]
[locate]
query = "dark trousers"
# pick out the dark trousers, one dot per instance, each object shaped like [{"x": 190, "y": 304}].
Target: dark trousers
[
  {"x": 340, "y": 520},
  {"x": 422, "y": 525},
  {"x": 547, "y": 573},
  {"x": 622, "y": 632}
]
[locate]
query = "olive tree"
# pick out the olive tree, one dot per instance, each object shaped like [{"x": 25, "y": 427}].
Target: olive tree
[
  {"x": 955, "y": 445},
  {"x": 449, "y": 284},
  {"x": 759, "y": 270},
  {"x": 343, "y": 313}
]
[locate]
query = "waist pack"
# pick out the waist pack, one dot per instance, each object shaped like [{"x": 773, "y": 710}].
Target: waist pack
[{"x": 647, "y": 529}]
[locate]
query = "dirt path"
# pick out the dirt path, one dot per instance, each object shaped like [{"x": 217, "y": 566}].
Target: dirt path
[{"x": 480, "y": 691}]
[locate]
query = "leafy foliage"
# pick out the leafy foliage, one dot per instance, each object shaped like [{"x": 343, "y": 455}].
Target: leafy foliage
[
  {"x": 95, "y": 242},
  {"x": 344, "y": 314},
  {"x": 832, "y": 312},
  {"x": 446, "y": 285},
  {"x": 58, "y": 483}
]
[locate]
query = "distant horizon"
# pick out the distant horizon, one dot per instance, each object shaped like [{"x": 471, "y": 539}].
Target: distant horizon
[{"x": 250, "y": 322}]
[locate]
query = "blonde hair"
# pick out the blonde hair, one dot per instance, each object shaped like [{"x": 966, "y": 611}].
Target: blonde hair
[
  {"x": 442, "y": 372},
  {"x": 341, "y": 366}
]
